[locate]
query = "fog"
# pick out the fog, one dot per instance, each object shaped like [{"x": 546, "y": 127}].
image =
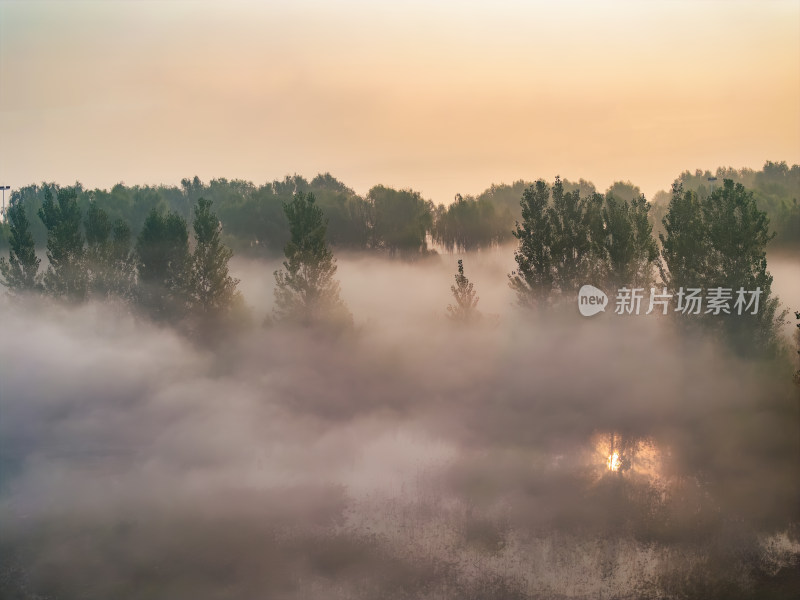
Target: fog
[{"x": 411, "y": 459}]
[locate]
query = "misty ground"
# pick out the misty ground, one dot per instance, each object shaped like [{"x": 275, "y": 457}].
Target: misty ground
[{"x": 412, "y": 459}]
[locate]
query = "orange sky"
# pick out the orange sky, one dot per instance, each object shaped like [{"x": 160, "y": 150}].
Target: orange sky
[{"x": 446, "y": 99}]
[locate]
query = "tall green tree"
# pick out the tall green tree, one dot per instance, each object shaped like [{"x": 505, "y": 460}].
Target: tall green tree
[
  {"x": 466, "y": 300},
  {"x": 108, "y": 254},
  {"x": 570, "y": 242},
  {"x": 629, "y": 245},
  {"x": 67, "y": 275},
  {"x": 534, "y": 280},
  {"x": 212, "y": 291},
  {"x": 566, "y": 240},
  {"x": 162, "y": 257},
  {"x": 718, "y": 242},
  {"x": 685, "y": 245},
  {"x": 20, "y": 272},
  {"x": 306, "y": 292},
  {"x": 555, "y": 243}
]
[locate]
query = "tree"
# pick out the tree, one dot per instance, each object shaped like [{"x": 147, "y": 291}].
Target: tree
[
  {"x": 775, "y": 188},
  {"x": 162, "y": 255},
  {"x": 468, "y": 224},
  {"x": 212, "y": 291},
  {"x": 108, "y": 254},
  {"x": 20, "y": 272},
  {"x": 402, "y": 220},
  {"x": 570, "y": 242},
  {"x": 533, "y": 280},
  {"x": 348, "y": 215},
  {"x": 306, "y": 292},
  {"x": 566, "y": 240},
  {"x": 685, "y": 246},
  {"x": 720, "y": 242},
  {"x": 629, "y": 243},
  {"x": 464, "y": 310},
  {"x": 66, "y": 276}
]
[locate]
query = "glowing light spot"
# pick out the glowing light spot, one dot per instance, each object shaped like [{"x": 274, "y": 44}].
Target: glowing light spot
[{"x": 613, "y": 462}]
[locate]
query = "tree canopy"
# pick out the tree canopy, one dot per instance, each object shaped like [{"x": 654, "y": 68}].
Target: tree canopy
[
  {"x": 466, "y": 299},
  {"x": 66, "y": 274},
  {"x": 162, "y": 255},
  {"x": 306, "y": 291},
  {"x": 719, "y": 242},
  {"x": 211, "y": 289},
  {"x": 20, "y": 272}
]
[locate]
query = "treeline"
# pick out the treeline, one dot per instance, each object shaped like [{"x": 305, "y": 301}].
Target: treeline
[
  {"x": 712, "y": 242},
  {"x": 395, "y": 222},
  {"x": 775, "y": 188},
  {"x": 566, "y": 238},
  {"x": 91, "y": 256},
  {"x": 253, "y": 217},
  {"x": 712, "y": 247},
  {"x": 161, "y": 272}
]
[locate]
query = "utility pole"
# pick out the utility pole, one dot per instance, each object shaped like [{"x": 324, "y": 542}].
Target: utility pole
[{"x": 4, "y": 188}]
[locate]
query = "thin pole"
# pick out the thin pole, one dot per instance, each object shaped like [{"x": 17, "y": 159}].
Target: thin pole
[{"x": 4, "y": 188}]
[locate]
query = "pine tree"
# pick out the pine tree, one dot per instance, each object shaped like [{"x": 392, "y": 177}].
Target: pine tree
[
  {"x": 212, "y": 290},
  {"x": 306, "y": 291},
  {"x": 67, "y": 275},
  {"x": 20, "y": 272},
  {"x": 464, "y": 310}
]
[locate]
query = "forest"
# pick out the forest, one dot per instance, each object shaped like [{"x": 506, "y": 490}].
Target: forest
[
  {"x": 397, "y": 222},
  {"x": 292, "y": 391}
]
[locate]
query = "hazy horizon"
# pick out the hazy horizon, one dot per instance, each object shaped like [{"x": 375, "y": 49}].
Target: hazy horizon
[{"x": 446, "y": 99}]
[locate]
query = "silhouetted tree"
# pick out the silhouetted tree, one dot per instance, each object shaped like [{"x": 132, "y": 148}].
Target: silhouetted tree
[
  {"x": 464, "y": 310},
  {"x": 402, "y": 220},
  {"x": 212, "y": 291},
  {"x": 108, "y": 254},
  {"x": 566, "y": 240},
  {"x": 629, "y": 243},
  {"x": 720, "y": 242},
  {"x": 20, "y": 272},
  {"x": 468, "y": 224},
  {"x": 570, "y": 242},
  {"x": 533, "y": 281},
  {"x": 67, "y": 275},
  {"x": 162, "y": 254},
  {"x": 306, "y": 292},
  {"x": 685, "y": 246},
  {"x": 775, "y": 188},
  {"x": 349, "y": 217}
]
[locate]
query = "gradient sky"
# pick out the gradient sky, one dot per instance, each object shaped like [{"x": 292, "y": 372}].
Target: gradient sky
[{"x": 444, "y": 99}]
